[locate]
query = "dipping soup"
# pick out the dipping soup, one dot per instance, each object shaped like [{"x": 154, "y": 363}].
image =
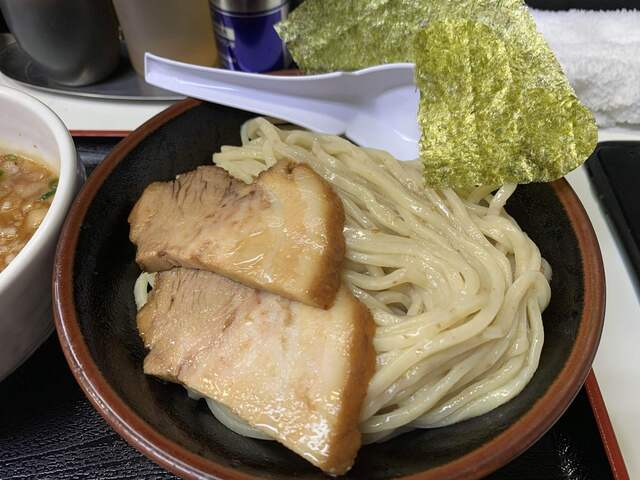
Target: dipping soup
[{"x": 27, "y": 188}]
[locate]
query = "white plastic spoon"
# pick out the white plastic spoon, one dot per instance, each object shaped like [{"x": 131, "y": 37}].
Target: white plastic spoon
[{"x": 375, "y": 107}]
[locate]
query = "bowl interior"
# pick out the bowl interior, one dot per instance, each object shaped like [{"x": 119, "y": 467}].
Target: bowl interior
[{"x": 105, "y": 271}]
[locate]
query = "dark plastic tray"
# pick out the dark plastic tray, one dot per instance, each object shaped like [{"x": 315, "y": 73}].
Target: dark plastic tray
[
  {"x": 614, "y": 170},
  {"x": 583, "y": 4}
]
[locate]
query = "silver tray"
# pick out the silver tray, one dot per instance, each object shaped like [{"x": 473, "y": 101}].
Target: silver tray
[{"x": 123, "y": 84}]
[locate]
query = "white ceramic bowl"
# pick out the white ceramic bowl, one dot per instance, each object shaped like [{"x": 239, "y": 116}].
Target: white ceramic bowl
[{"x": 29, "y": 127}]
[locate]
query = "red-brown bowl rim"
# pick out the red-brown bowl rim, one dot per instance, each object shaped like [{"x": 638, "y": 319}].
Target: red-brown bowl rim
[{"x": 177, "y": 459}]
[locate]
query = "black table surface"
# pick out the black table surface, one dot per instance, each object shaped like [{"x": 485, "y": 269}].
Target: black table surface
[{"x": 49, "y": 430}]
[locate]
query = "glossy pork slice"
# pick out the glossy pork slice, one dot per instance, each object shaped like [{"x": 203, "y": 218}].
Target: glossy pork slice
[
  {"x": 283, "y": 233},
  {"x": 296, "y": 372}
]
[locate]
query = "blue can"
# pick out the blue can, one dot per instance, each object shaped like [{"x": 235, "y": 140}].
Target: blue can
[{"x": 245, "y": 35}]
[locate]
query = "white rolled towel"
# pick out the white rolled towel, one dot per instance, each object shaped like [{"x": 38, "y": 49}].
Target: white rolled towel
[{"x": 600, "y": 53}]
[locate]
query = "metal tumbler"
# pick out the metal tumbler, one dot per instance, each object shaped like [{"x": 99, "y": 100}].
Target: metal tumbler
[{"x": 75, "y": 42}]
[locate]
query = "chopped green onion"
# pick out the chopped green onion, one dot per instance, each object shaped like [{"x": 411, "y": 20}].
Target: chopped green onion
[
  {"x": 11, "y": 157},
  {"x": 48, "y": 194},
  {"x": 53, "y": 186}
]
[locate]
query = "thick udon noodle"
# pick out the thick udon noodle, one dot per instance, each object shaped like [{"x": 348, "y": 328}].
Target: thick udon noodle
[{"x": 455, "y": 287}]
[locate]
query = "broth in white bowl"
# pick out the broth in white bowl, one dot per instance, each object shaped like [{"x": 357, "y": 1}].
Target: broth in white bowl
[{"x": 27, "y": 188}]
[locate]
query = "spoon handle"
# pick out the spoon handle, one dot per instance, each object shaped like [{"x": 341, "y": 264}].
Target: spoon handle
[{"x": 276, "y": 96}]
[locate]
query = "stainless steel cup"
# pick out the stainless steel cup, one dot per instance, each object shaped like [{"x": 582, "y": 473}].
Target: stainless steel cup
[{"x": 75, "y": 42}]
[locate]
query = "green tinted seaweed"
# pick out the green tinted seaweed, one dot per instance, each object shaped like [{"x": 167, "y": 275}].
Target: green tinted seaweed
[{"x": 495, "y": 105}]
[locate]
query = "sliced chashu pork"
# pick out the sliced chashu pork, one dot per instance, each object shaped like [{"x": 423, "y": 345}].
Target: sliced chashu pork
[
  {"x": 283, "y": 233},
  {"x": 296, "y": 372}
]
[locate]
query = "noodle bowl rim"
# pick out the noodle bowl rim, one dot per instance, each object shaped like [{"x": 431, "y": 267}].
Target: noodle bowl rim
[{"x": 490, "y": 456}]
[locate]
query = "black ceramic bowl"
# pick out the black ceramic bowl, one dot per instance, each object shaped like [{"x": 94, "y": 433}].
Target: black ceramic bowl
[{"x": 95, "y": 317}]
